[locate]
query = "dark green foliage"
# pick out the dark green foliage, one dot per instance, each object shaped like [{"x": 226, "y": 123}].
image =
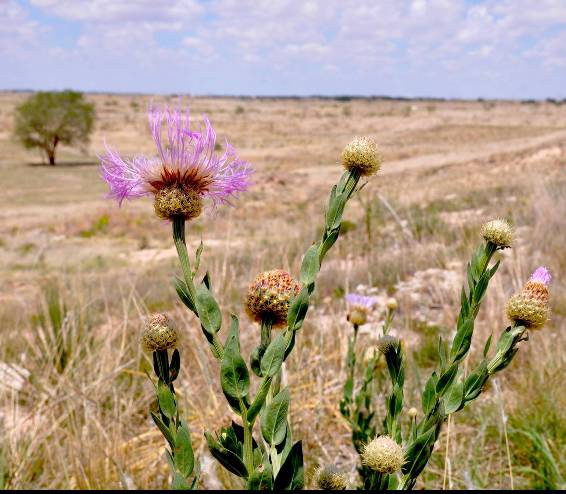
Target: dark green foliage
[{"x": 47, "y": 119}]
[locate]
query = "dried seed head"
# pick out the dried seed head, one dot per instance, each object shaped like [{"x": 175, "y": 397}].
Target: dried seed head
[
  {"x": 387, "y": 343},
  {"x": 159, "y": 334},
  {"x": 173, "y": 201},
  {"x": 530, "y": 306},
  {"x": 329, "y": 478},
  {"x": 392, "y": 304},
  {"x": 269, "y": 295},
  {"x": 361, "y": 154},
  {"x": 383, "y": 455},
  {"x": 370, "y": 354},
  {"x": 498, "y": 232}
]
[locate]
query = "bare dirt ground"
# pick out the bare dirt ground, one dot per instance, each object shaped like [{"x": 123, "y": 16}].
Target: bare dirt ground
[{"x": 448, "y": 167}]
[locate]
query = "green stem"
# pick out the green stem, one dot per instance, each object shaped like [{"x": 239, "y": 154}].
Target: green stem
[
  {"x": 248, "y": 441},
  {"x": 180, "y": 244},
  {"x": 179, "y": 239}
]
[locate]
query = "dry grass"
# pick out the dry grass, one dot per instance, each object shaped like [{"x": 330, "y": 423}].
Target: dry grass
[{"x": 446, "y": 171}]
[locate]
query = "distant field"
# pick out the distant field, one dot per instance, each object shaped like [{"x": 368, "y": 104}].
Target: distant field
[{"x": 449, "y": 166}]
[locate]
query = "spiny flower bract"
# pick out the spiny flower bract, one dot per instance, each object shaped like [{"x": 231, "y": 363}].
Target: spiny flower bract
[
  {"x": 186, "y": 164},
  {"x": 530, "y": 306},
  {"x": 362, "y": 155},
  {"x": 159, "y": 334},
  {"x": 269, "y": 296},
  {"x": 498, "y": 232},
  {"x": 329, "y": 478},
  {"x": 383, "y": 455}
]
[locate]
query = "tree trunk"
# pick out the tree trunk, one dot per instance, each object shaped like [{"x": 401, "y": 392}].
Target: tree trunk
[{"x": 51, "y": 156}]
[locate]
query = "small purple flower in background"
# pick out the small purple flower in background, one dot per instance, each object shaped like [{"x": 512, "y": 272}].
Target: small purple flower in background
[
  {"x": 185, "y": 171},
  {"x": 359, "y": 307},
  {"x": 541, "y": 275},
  {"x": 355, "y": 300}
]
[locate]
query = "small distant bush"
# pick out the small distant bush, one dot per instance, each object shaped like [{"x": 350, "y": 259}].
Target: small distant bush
[
  {"x": 47, "y": 119},
  {"x": 239, "y": 110}
]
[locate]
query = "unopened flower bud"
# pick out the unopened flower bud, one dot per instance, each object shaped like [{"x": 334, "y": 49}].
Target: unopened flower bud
[
  {"x": 159, "y": 334},
  {"x": 361, "y": 154},
  {"x": 383, "y": 455},
  {"x": 387, "y": 343},
  {"x": 412, "y": 412},
  {"x": 359, "y": 307},
  {"x": 173, "y": 201},
  {"x": 498, "y": 232},
  {"x": 530, "y": 307},
  {"x": 329, "y": 478},
  {"x": 392, "y": 304},
  {"x": 269, "y": 296}
]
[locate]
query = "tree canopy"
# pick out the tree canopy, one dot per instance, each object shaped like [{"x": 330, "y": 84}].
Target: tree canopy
[{"x": 47, "y": 119}]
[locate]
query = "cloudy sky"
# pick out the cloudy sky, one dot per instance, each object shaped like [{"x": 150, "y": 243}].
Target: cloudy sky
[{"x": 445, "y": 48}]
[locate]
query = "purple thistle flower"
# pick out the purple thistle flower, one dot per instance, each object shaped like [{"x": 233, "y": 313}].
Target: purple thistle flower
[
  {"x": 356, "y": 300},
  {"x": 542, "y": 275},
  {"x": 187, "y": 162}
]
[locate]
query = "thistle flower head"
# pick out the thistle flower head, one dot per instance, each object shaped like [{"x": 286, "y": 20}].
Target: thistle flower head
[
  {"x": 269, "y": 296},
  {"x": 498, "y": 232},
  {"x": 329, "y": 478},
  {"x": 383, "y": 455},
  {"x": 359, "y": 307},
  {"x": 159, "y": 334},
  {"x": 387, "y": 343},
  {"x": 530, "y": 306},
  {"x": 361, "y": 154},
  {"x": 185, "y": 171}
]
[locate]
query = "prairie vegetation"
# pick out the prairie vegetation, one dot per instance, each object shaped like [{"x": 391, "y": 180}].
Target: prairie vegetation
[{"x": 79, "y": 275}]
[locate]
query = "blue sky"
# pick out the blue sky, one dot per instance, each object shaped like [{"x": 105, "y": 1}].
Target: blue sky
[{"x": 437, "y": 48}]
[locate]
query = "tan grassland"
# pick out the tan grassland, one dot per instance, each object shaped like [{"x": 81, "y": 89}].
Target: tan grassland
[{"x": 449, "y": 166}]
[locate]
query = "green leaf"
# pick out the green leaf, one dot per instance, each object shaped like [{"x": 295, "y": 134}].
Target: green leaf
[
  {"x": 183, "y": 292},
  {"x": 166, "y": 400},
  {"x": 163, "y": 428},
  {"x": 175, "y": 365},
  {"x": 273, "y": 357},
  {"x": 198, "y": 253},
  {"x": 462, "y": 340},
  {"x": 274, "y": 418},
  {"x": 291, "y": 474},
  {"x": 446, "y": 378},
  {"x": 179, "y": 483},
  {"x": 208, "y": 310},
  {"x": 429, "y": 394},
  {"x": 335, "y": 211},
  {"x": 298, "y": 310},
  {"x": 329, "y": 241},
  {"x": 227, "y": 459},
  {"x": 475, "y": 381},
  {"x": 453, "y": 398},
  {"x": 261, "y": 479},
  {"x": 183, "y": 451},
  {"x": 234, "y": 376},
  {"x": 310, "y": 265},
  {"x": 418, "y": 453},
  {"x": 487, "y": 345},
  {"x": 259, "y": 400}
]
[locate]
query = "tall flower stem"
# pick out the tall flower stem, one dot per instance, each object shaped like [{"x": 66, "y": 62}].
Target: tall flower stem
[{"x": 181, "y": 246}]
